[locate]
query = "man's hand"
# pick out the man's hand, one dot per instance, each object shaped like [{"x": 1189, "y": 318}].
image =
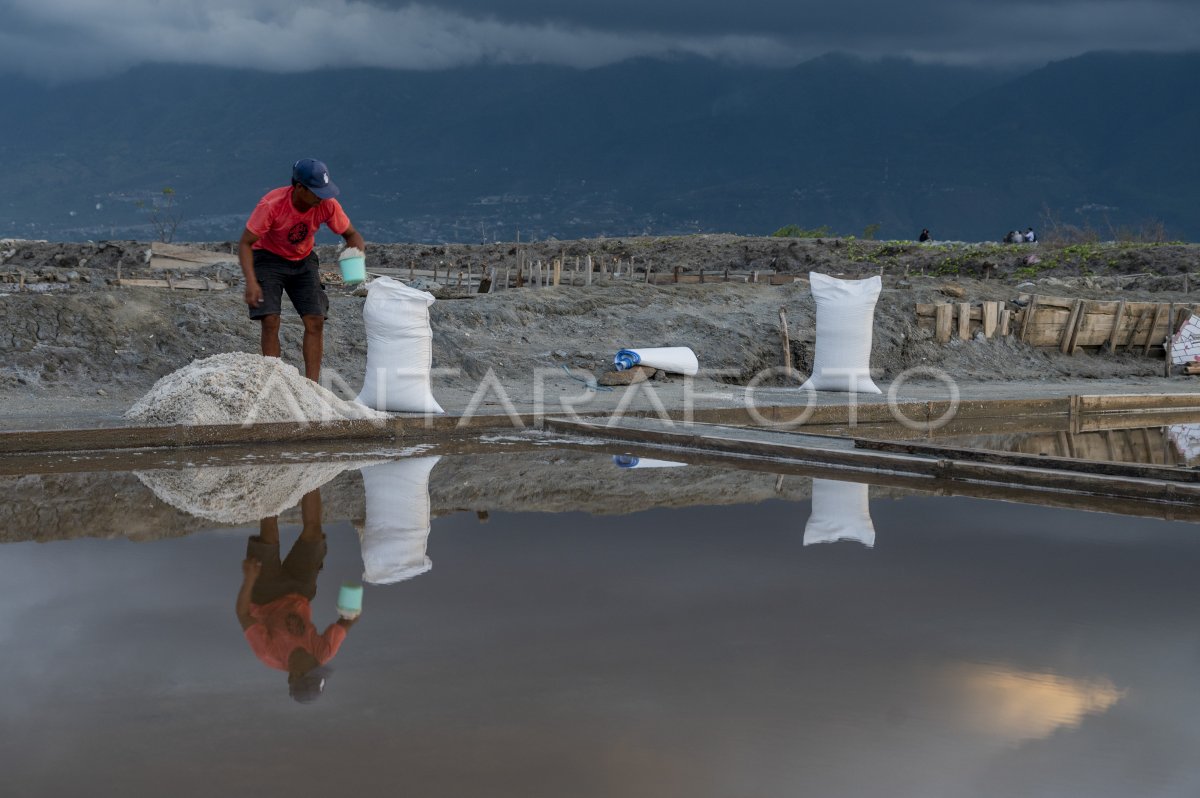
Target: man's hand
[
  {"x": 254, "y": 294},
  {"x": 251, "y": 568}
]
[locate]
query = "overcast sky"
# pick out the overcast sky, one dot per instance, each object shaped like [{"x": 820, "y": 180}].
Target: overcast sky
[{"x": 74, "y": 38}]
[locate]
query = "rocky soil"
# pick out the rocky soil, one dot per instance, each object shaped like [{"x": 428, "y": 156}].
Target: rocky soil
[{"x": 67, "y": 332}]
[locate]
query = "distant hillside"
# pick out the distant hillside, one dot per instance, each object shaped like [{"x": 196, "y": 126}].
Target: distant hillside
[{"x": 640, "y": 147}]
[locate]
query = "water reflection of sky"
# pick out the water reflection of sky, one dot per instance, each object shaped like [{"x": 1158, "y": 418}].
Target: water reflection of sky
[{"x": 979, "y": 648}]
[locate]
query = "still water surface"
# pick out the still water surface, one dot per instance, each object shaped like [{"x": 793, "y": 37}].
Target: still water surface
[{"x": 975, "y": 649}]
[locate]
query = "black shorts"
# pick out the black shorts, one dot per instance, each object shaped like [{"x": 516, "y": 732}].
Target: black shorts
[
  {"x": 300, "y": 278},
  {"x": 296, "y": 574}
]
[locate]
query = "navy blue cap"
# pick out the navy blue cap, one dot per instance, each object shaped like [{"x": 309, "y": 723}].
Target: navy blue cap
[
  {"x": 314, "y": 175},
  {"x": 308, "y": 688}
]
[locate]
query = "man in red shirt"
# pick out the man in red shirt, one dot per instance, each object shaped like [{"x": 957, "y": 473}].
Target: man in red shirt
[
  {"x": 274, "y": 603},
  {"x": 276, "y": 254}
]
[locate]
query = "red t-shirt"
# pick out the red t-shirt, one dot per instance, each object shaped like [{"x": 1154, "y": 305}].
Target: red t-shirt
[
  {"x": 273, "y": 643},
  {"x": 286, "y": 231}
]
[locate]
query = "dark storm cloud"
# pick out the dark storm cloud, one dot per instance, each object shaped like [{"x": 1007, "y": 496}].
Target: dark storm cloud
[{"x": 65, "y": 38}]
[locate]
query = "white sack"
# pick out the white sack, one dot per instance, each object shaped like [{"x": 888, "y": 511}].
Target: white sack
[
  {"x": 840, "y": 511},
  {"x": 672, "y": 359},
  {"x": 399, "y": 348},
  {"x": 1185, "y": 346},
  {"x": 845, "y": 319},
  {"x": 396, "y": 531}
]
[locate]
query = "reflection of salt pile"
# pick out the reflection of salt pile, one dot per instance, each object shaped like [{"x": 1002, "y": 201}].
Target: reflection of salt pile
[
  {"x": 240, "y": 388},
  {"x": 1186, "y": 438},
  {"x": 240, "y": 494},
  {"x": 840, "y": 511},
  {"x": 396, "y": 532}
]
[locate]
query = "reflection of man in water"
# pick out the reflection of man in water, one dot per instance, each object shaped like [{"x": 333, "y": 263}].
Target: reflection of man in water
[{"x": 273, "y": 603}]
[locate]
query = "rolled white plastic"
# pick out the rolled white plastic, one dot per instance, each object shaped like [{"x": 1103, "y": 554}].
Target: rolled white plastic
[
  {"x": 630, "y": 461},
  {"x": 845, "y": 321},
  {"x": 840, "y": 511},
  {"x": 399, "y": 349},
  {"x": 672, "y": 359},
  {"x": 395, "y": 536}
]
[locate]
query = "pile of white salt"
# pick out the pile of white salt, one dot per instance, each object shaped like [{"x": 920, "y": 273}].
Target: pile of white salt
[{"x": 241, "y": 388}]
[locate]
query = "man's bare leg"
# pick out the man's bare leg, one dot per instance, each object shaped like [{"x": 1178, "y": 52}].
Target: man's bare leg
[
  {"x": 314, "y": 346},
  {"x": 268, "y": 531},
  {"x": 270, "y": 336},
  {"x": 310, "y": 517}
]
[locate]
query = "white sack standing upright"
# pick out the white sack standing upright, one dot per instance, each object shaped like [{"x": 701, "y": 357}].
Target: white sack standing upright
[
  {"x": 845, "y": 320},
  {"x": 840, "y": 511},
  {"x": 396, "y": 532},
  {"x": 399, "y": 349}
]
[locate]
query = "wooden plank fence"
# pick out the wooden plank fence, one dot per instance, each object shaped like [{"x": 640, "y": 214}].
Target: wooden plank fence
[{"x": 1066, "y": 323}]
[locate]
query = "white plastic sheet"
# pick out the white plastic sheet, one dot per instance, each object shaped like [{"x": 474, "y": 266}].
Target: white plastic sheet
[
  {"x": 1185, "y": 345},
  {"x": 399, "y": 349},
  {"x": 840, "y": 511},
  {"x": 395, "y": 535},
  {"x": 1186, "y": 438},
  {"x": 845, "y": 322}
]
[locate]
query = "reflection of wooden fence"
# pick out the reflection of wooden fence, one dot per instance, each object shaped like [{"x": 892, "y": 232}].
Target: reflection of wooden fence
[
  {"x": 1146, "y": 445},
  {"x": 1061, "y": 322}
]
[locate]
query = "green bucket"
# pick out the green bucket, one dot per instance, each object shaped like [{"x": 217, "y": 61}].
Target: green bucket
[{"x": 354, "y": 270}]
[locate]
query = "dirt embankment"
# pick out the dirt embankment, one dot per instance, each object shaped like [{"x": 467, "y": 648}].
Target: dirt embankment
[{"x": 66, "y": 330}]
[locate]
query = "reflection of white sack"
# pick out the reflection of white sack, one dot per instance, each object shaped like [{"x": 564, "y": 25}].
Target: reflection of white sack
[
  {"x": 840, "y": 511},
  {"x": 1185, "y": 346},
  {"x": 241, "y": 494},
  {"x": 399, "y": 348},
  {"x": 1186, "y": 438},
  {"x": 630, "y": 461},
  {"x": 845, "y": 318},
  {"x": 396, "y": 531},
  {"x": 672, "y": 359}
]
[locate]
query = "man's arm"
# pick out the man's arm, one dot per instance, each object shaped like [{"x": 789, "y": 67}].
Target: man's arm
[
  {"x": 250, "y": 571},
  {"x": 354, "y": 238},
  {"x": 254, "y": 295}
]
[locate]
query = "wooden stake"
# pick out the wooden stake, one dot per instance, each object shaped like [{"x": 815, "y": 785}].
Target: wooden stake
[
  {"x": 1115, "y": 335},
  {"x": 1079, "y": 320},
  {"x": 1030, "y": 309},
  {"x": 557, "y": 272},
  {"x": 1153, "y": 325},
  {"x": 649, "y": 272},
  {"x": 964, "y": 321},
  {"x": 1064, "y": 341},
  {"x": 1170, "y": 337},
  {"x": 942, "y": 323},
  {"x": 1005, "y": 323},
  {"x": 787, "y": 343},
  {"x": 587, "y": 273},
  {"x": 676, "y": 274},
  {"x": 575, "y": 273},
  {"x": 990, "y": 312}
]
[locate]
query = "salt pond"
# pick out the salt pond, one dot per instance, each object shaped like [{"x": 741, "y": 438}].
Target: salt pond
[{"x": 935, "y": 647}]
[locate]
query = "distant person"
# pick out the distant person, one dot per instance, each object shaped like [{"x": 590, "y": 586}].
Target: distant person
[
  {"x": 276, "y": 254},
  {"x": 274, "y": 603},
  {"x": 924, "y": 235},
  {"x": 1030, "y": 236}
]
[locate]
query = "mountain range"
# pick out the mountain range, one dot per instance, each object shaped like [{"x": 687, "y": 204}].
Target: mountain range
[{"x": 642, "y": 147}]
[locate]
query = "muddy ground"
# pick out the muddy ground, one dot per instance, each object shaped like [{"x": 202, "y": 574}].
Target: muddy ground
[{"x": 68, "y": 335}]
